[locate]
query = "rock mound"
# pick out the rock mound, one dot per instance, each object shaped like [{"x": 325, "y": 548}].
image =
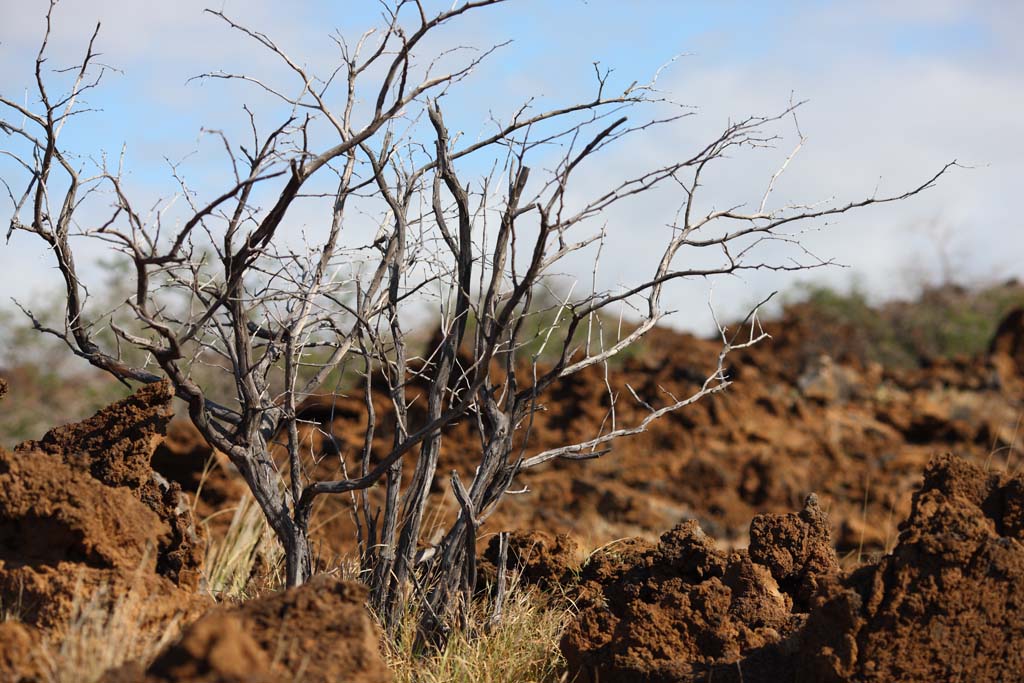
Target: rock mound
[
  {"x": 185, "y": 458},
  {"x": 115, "y": 444},
  {"x": 19, "y": 661},
  {"x": 322, "y": 628},
  {"x": 540, "y": 558},
  {"x": 796, "y": 548},
  {"x": 318, "y": 633},
  {"x": 608, "y": 565},
  {"x": 81, "y": 510},
  {"x": 946, "y": 604},
  {"x": 215, "y": 649},
  {"x": 686, "y": 610}
]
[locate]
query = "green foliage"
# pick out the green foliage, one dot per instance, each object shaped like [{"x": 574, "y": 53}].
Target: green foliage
[{"x": 943, "y": 322}]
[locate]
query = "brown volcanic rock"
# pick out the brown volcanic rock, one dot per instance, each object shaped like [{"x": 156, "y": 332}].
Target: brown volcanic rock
[
  {"x": 20, "y": 659},
  {"x": 321, "y": 628},
  {"x": 796, "y": 548},
  {"x": 610, "y": 562},
  {"x": 52, "y": 596},
  {"x": 680, "y": 613},
  {"x": 215, "y": 649},
  {"x": 65, "y": 536},
  {"x": 116, "y": 443},
  {"x": 540, "y": 558},
  {"x": 946, "y": 604},
  {"x": 809, "y": 411},
  {"x": 82, "y": 515},
  {"x": 50, "y": 512},
  {"x": 185, "y": 458},
  {"x": 317, "y": 633},
  {"x": 114, "y": 447}
]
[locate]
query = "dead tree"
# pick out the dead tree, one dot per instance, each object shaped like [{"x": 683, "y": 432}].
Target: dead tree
[{"x": 229, "y": 285}]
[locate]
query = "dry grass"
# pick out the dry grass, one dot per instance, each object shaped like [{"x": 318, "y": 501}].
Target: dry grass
[
  {"x": 106, "y": 630},
  {"x": 103, "y": 633},
  {"x": 11, "y": 610},
  {"x": 521, "y": 648},
  {"x": 247, "y": 557}
]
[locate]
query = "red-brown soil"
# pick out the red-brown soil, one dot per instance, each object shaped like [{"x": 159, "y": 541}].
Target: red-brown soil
[
  {"x": 217, "y": 648},
  {"x": 684, "y": 609},
  {"x": 795, "y": 421},
  {"x": 538, "y": 558},
  {"x": 946, "y": 604},
  {"x": 184, "y": 458},
  {"x": 85, "y": 520},
  {"x": 18, "y": 647}
]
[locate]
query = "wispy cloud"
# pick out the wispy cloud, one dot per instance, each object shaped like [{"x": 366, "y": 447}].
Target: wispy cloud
[{"x": 895, "y": 90}]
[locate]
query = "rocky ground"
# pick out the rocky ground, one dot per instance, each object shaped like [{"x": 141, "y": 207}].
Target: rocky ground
[{"x": 828, "y": 518}]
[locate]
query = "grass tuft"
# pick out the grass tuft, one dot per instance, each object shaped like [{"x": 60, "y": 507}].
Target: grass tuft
[
  {"x": 247, "y": 560},
  {"x": 100, "y": 637},
  {"x": 521, "y": 648}
]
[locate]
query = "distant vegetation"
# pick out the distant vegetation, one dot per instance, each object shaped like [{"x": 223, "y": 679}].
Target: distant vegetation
[{"x": 943, "y": 322}]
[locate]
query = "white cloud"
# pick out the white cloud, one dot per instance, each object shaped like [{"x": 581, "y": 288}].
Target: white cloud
[
  {"x": 877, "y": 117},
  {"x": 872, "y": 121}
]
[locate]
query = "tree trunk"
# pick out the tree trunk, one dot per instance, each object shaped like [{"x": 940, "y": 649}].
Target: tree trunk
[
  {"x": 298, "y": 556},
  {"x": 267, "y": 489}
]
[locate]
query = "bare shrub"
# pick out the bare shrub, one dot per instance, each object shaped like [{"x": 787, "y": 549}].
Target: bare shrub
[{"x": 231, "y": 285}]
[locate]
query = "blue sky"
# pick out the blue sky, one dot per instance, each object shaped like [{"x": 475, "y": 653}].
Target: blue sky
[{"x": 896, "y": 89}]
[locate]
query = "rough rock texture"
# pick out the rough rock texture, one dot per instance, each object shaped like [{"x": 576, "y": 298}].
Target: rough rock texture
[
  {"x": 608, "y": 565},
  {"x": 321, "y": 628},
  {"x": 946, "y": 605},
  {"x": 797, "y": 548},
  {"x": 215, "y": 649},
  {"x": 19, "y": 661},
  {"x": 685, "y": 610},
  {"x": 184, "y": 458},
  {"x": 115, "y": 444},
  {"x": 51, "y": 512},
  {"x": 540, "y": 558},
  {"x": 318, "y": 633},
  {"x": 80, "y": 510},
  {"x": 808, "y": 411}
]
